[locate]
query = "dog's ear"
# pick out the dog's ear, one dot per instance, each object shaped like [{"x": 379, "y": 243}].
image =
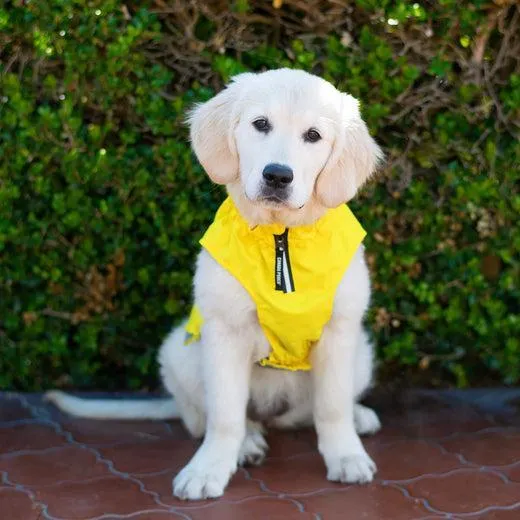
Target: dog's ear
[
  {"x": 354, "y": 158},
  {"x": 212, "y": 127}
]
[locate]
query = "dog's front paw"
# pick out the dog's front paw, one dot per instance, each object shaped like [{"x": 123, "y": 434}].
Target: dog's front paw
[
  {"x": 351, "y": 469},
  {"x": 197, "y": 483}
]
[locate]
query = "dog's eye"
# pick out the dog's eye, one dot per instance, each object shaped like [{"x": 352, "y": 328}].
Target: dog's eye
[
  {"x": 311, "y": 136},
  {"x": 262, "y": 125}
]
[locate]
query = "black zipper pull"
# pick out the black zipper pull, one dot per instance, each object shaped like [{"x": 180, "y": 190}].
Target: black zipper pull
[{"x": 283, "y": 278}]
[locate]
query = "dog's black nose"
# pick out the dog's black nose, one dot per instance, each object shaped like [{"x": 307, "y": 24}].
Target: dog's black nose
[{"x": 277, "y": 175}]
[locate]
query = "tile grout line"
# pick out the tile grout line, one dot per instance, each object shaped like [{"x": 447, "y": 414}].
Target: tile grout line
[
  {"x": 30, "y": 494},
  {"x": 414, "y": 498},
  {"x": 43, "y": 451}
]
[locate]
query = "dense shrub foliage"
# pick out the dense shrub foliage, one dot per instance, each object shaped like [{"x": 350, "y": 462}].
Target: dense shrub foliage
[{"x": 102, "y": 202}]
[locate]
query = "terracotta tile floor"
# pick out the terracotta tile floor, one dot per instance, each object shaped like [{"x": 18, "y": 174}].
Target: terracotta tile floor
[{"x": 440, "y": 455}]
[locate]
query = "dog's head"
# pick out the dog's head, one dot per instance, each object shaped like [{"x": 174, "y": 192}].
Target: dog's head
[{"x": 284, "y": 140}]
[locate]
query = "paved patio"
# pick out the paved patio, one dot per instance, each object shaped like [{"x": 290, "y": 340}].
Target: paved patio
[{"x": 440, "y": 455}]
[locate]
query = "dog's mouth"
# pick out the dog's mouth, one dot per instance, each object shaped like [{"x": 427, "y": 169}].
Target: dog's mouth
[
  {"x": 276, "y": 202},
  {"x": 274, "y": 199}
]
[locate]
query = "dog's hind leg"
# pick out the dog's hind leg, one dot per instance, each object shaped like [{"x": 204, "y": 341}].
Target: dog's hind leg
[
  {"x": 180, "y": 373},
  {"x": 366, "y": 420}
]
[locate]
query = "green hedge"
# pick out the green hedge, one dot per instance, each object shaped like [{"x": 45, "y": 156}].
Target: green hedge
[{"x": 102, "y": 202}]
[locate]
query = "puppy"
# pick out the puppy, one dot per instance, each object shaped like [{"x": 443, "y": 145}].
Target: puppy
[{"x": 280, "y": 289}]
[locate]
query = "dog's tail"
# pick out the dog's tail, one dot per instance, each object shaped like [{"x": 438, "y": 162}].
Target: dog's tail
[{"x": 158, "y": 409}]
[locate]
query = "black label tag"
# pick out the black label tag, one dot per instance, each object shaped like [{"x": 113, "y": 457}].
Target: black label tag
[
  {"x": 278, "y": 268},
  {"x": 283, "y": 278}
]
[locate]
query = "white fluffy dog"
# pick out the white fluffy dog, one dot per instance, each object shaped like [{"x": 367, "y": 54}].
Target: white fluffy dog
[{"x": 289, "y": 147}]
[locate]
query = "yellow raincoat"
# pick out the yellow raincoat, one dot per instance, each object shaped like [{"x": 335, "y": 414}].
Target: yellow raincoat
[{"x": 291, "y": 274}]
